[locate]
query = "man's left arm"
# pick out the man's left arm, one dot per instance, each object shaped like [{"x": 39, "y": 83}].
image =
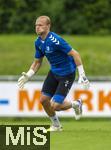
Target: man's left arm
[{"x": 82, "y": 77}]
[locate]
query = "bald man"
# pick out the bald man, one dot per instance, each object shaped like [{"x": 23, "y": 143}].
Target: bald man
[{"x": 63, "y": 60}]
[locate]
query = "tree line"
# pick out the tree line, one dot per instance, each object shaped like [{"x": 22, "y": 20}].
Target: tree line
[{"x": 68, "y": 16}]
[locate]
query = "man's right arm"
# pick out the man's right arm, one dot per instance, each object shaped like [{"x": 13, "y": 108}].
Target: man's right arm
[
  {"x": 36, "y": 65},
  {"x": 27, "y": 75}
]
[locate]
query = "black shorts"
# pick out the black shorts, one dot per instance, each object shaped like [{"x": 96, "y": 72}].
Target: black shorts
[{"x": 57, "y": 86}]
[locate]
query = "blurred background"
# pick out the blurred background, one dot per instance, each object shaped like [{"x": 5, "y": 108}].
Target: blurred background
[{"x": 86, "y": 26}]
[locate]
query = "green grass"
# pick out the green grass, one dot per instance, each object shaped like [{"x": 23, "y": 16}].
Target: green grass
[
  {"x": 86, "y": 134},
  {"x": 17, "y": 53}
]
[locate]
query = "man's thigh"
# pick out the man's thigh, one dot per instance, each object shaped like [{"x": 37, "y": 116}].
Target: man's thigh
[
  {"x": 63, "y": 88},
  {"x": 50, "y": 85}
]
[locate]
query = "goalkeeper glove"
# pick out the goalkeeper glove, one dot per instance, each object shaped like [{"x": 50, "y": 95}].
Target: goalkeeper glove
[
  {"x": 82, "y": 77},
  {"x": 24, "y": 78}
]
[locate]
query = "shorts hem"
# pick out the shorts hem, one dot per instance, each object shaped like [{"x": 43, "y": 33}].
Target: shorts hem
[{"x": 47, "y": 94}]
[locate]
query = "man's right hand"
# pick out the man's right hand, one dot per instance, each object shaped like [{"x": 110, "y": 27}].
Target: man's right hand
[
  {"x": 22, "y": 80},
  {"x": 25, "y": 77}
]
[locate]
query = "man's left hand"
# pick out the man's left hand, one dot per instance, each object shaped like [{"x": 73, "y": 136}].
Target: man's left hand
[{"x": 84, "y": 81}]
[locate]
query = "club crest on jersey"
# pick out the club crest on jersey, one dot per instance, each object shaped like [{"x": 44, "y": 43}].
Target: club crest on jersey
[{"x": 48, "y": 50}]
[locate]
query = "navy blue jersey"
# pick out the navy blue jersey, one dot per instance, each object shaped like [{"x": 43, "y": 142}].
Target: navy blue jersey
[{"x": 56, "y": 50}]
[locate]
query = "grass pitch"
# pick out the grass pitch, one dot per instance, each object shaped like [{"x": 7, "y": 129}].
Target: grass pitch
[{"x": 85, "y": 134}]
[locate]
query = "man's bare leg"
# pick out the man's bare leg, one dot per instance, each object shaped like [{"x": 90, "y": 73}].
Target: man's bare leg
[
  {"x": 76, "y": 105},
  {"x": 66, "y": 105},
  {"x": 45, "y": 101}
]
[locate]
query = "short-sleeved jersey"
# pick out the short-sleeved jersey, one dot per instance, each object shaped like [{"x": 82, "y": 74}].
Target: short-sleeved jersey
[{"x": 56, "y": 50}]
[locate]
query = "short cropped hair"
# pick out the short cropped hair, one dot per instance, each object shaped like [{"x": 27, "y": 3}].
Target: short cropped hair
[{"x": 48, "y": 20}]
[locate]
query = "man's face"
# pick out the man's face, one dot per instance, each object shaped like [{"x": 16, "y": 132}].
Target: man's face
[{"x": 41, "y": 26}]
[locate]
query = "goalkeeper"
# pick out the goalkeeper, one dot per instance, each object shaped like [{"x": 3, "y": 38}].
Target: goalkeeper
[{"x": 63, "y": 61}]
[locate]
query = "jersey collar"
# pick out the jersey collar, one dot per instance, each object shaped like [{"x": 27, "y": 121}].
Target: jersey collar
[{"x": 45, "y": 38}]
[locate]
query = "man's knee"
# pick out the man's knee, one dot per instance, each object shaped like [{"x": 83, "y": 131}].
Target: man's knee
[
  {"x": 55, "y": 106},
  {"x": 44, "y": 99}
]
